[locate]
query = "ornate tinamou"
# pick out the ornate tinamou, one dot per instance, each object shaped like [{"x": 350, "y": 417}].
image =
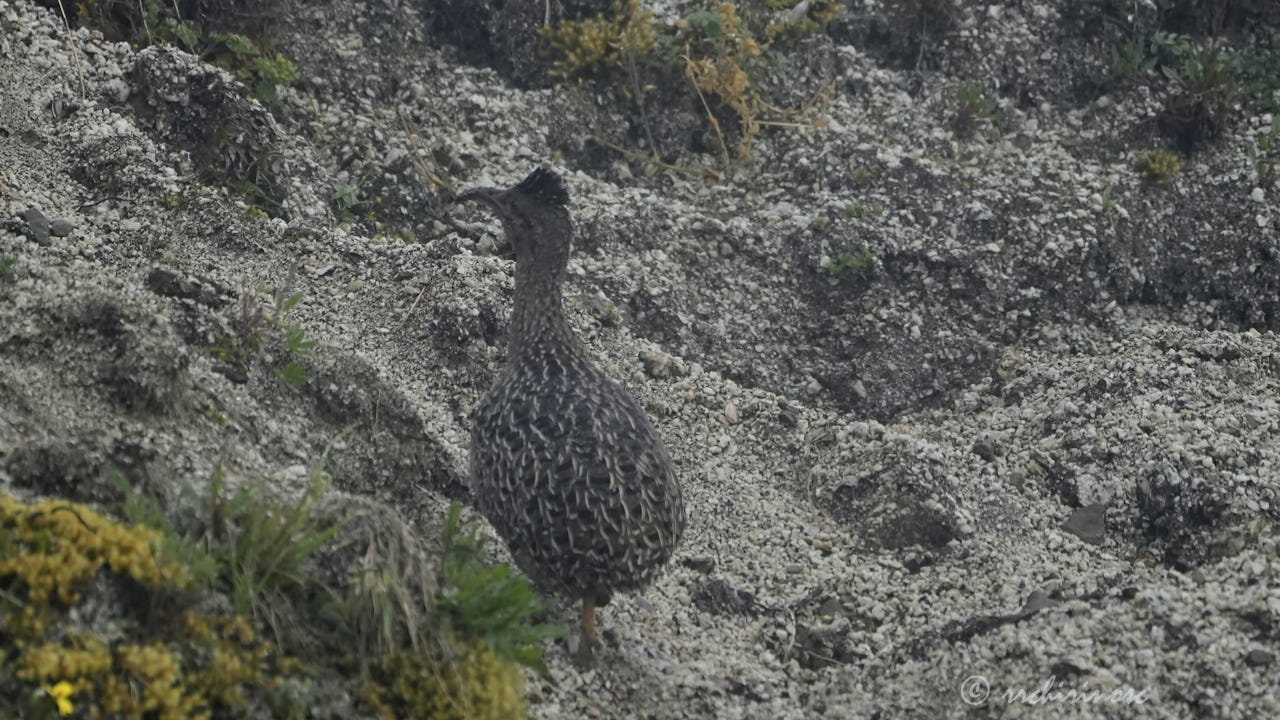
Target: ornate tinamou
[{"x": 564, "y": 464}]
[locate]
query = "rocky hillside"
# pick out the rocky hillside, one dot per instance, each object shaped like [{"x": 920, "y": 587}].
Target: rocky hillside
[{"x": 959, "y": 318}]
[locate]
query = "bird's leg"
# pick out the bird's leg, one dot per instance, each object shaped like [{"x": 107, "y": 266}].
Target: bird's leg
[{"x": 586, "y": 657}]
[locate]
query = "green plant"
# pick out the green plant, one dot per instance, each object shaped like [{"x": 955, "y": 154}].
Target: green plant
[
  {"x": 1259, "y": 73},
  {"x": 820, "y": 223},
  {"x": 846, "y": 265},
  {"x": 269, "y": 543},
  {"x": 972, "y": 108},
  {"x": 716, "y": 49},
  {"x": 1130, "y": 63},
  {"x": 600, "y": 44},
  {"x": 147, "y": 22},
  {"x": 858, "y": 210},
  {"x": 476, "y": 685},
  {"x": 1260, "y": 154},
  {"x": 489, "y": 603},
  {"x": 860, "y": 176},
  {"x": 260, "y": 71},
  {"x": 156, "y": 662},
  {"x": 1108, "y": 196},
  {"x": 144, "y": 510},
  {"x": 1157, "y": 166},
  {"x": 347, "y": 199},
  {"x": 1204, "y": 83},
  {"x": 241, "y": 345},
  {"x": 6, "y": 267}
]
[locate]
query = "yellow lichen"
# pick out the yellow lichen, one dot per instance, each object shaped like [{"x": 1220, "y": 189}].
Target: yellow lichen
[
  {"x": 717, "y": 48},
  {"x": 48, "y": 552},
  {"x": 600, "y": 43},
  {"x": 479, "y": 685},
  {"x": 1158, "y": 166},
  {"x": 53, "y": 546}
]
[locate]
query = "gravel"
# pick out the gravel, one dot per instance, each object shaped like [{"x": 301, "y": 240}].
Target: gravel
[{"x": 1035, "y": 441}]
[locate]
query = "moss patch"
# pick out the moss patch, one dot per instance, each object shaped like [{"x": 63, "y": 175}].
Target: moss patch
[{"x": 165, "y": 666}]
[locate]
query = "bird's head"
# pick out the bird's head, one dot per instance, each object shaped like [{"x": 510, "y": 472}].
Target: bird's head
[{"x": 534, "y": 214}]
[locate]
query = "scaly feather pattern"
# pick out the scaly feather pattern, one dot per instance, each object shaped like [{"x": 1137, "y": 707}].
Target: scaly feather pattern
[{"x": 566, "y": 466}]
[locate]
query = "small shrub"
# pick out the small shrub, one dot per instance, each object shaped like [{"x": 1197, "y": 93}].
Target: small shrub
[
  {"x": 846, "y": 265},
  {"x": 972, "y": 109},
  {"x": 478, "y": 685},
  {"x": 1157, "y": 166},
  {"x": 149, "y": 22},
  {"x": 1131, "y": 63},
  {"x": 860, "y": 176},
  {"x": 6, "y": 267},
  {"x": 486, "y": 603},
  {"x": 1260, "y": 154},
  {"x": 858, "y": 210},
  {"x": 241, "y": 345},
  {"x": 159, "y": 664},
  {"x": 1204, "y": 83},
  {"x": 144, "y": 510},
  {"x": 716, "y": 50},
  {"x": 601, "y": 44},
  {"x": 261, "y": 72},
  {"x": 269, "y": 543}
]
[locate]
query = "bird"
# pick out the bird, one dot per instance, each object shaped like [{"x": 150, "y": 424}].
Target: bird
[{"x": 565, "y": 465}]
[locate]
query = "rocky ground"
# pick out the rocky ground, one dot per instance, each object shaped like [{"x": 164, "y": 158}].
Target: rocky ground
[{"x": 1033, "y": 437}]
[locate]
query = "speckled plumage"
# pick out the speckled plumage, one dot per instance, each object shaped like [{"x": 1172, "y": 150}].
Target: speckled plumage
[{"x": 564, "y": 464}]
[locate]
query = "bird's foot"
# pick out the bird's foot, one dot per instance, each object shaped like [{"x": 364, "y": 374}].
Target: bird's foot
[{"x": 585, "y": 657}]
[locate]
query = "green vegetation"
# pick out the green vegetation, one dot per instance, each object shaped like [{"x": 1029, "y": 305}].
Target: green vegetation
[
  {"x": 1203, "y": 84},
  {"x": 246, "y": 545},
  {"x": 820, "y": 223},
  {"x": 1261, "y": 154},
  {"x": 165, "y": 662},
  {"x": 715, "y": 49},
  {"x": 266, "y": 551},
  {"x": 148, "y": 22},
  {"x": 601, "y": 44},
  {"x": 6, "y": 267},
  {"x": 477, "y": 686},
  {"x": 347, "y": 200},
  {"x": 1130, "y": 63},
  {"x": 242, "y": 345},
  {"x": 1202, "y": 79},
  {"x": 846, "y": 266},
  {"x": 489, "y": 603},
  {"x": 1157, "y": 166},
  {"x": 972, "y": 109},
  {"x": 174, "y": 655},
  {"x": 858, "y": 210},
  {"x": 260, "y": 71},
  {"x": 860, "y": 176}
]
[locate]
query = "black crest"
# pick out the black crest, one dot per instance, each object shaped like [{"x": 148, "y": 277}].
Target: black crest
[{"x": 546, "y": 187}]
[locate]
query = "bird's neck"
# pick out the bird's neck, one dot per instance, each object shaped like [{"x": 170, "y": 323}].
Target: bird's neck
[{"x": 539, "y": 329}]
